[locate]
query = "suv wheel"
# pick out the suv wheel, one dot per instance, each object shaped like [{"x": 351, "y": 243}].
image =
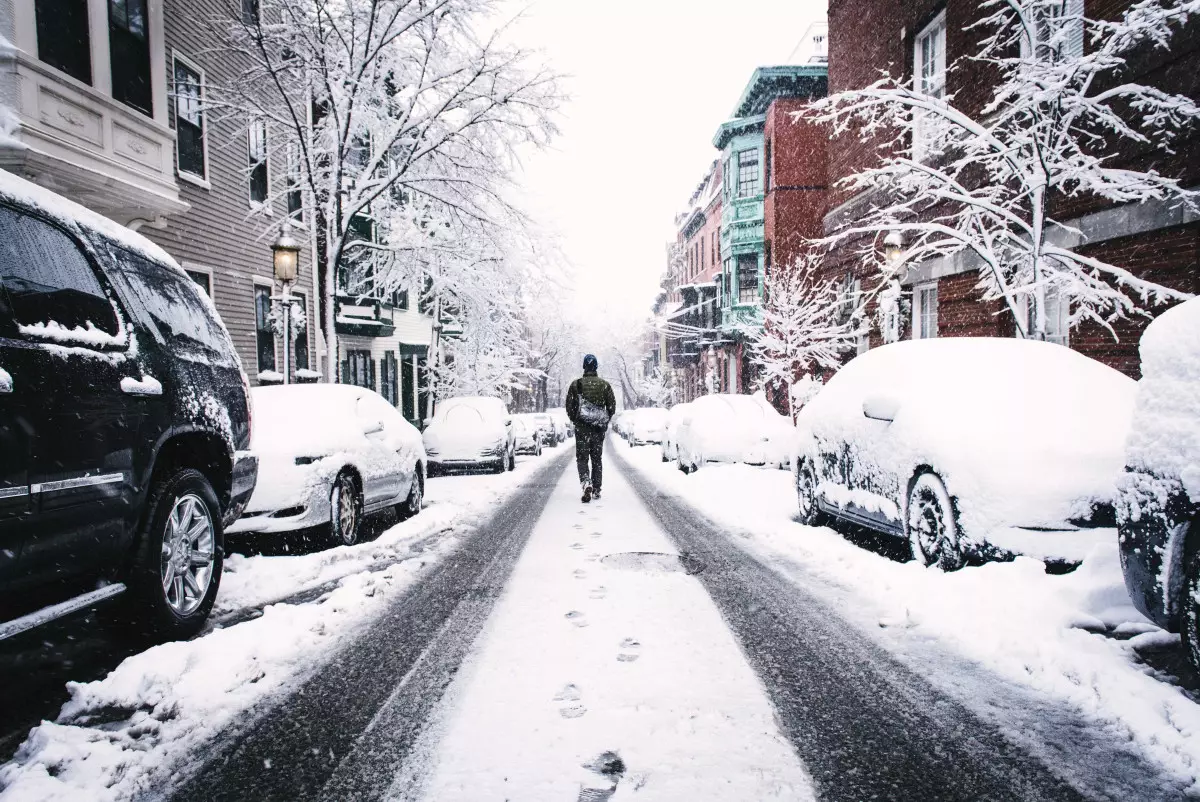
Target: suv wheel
[
  {"x": 1189, "y": 614},
  {"x": 512, "y": 459},
  {"x": 177, "y": 567},
  {"x": 931, "y": 525},
  {"x": 345, "y": 507}
]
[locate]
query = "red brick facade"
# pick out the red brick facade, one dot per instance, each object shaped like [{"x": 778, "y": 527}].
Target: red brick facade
[
  {"x": 797, "y": 191},
  {"x": 867, "y": 36}
]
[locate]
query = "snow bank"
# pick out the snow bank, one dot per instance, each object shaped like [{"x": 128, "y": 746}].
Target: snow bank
[
  {"x": 1019, "y": 623},
  {"x": 128, "y": 734}
]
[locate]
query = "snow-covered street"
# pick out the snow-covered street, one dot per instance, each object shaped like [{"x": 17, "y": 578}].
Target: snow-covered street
[{"x": 652, "y": 645}]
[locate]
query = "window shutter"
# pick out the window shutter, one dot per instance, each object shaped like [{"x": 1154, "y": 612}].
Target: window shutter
[
  {"x": 1075, "y": 33},
  {"x": 345, "y": 371},
  {"x": 371, "y": 374}
]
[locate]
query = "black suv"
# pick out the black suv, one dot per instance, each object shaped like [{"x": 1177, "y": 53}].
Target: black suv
[{"x": 124, "y": 419}]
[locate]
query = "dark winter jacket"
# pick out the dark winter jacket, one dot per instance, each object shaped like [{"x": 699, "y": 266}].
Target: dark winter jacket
[{"x": 591, "y": 403}]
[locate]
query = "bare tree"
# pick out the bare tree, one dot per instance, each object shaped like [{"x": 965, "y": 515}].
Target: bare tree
[
  {"x": 398, "y": 121},
  {"x": 808, "y": 325}
]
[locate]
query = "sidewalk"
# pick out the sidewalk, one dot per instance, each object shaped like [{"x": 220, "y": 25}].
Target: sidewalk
[{"x": 621, "y": 663}]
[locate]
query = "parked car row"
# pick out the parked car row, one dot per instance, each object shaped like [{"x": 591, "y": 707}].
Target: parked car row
[{"x": 132, "y": 447}]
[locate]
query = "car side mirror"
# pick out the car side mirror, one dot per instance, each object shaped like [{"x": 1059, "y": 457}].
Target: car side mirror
[
  {"x": 508, "y": 422},
  {"x": 880, "y": 407},
  {"x": 372, "y": 427}
]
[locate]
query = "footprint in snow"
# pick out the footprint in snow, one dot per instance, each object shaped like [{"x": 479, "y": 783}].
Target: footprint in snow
[
  {"x": 577, "y": 526},
  {"x": 609, "y": 769},
  {"x": 577, "y": 546},
  {"x": 570, "y": 706},
  {"x": 579, "y": 573},
  {"x": 630, "y": 651},
  {"x": 577, "y": 618},
  {"x": 596, "y": 534},
  {"x": 598, "y": 592}
]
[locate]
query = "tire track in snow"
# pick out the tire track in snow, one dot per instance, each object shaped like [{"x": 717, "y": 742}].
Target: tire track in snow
[
  {"x": 342, "y": 733},
  {"x": 865, "y": 726}
]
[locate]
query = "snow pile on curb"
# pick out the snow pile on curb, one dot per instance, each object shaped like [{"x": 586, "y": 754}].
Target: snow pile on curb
[
  {"x": 118, "y": 737},
  {"x": 1013, "y": 619}
]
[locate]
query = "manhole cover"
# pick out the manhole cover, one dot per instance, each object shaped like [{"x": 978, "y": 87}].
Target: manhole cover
[{"x": 654, "y": 562}]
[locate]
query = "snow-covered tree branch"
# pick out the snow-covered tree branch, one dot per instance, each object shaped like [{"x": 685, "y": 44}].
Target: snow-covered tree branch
[
  {"x": 987, "y": 186},
  {"x": 808, "y": 325},
  {"x": 400, "y": 121}
]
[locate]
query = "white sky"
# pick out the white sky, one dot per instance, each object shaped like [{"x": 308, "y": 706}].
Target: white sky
[{"x": 650, "y": 81}]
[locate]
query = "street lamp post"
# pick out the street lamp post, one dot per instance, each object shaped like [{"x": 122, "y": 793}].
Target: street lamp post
[{"x": 286, "y": 258}]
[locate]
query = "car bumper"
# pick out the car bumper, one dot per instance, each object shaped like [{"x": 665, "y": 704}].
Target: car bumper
[
  {"x": 245, "y": 477},
  {"x": 313, "y": 510},
  {"x": 464, "y": 464}
]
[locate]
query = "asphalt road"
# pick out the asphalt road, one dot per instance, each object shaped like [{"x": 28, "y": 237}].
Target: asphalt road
[
  {"x": 358, "y": 716},
  {"x": 866, "y": 726}
]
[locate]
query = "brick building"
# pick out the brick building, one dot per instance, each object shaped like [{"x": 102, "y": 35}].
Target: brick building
[{"x": 1155, "y": 241}]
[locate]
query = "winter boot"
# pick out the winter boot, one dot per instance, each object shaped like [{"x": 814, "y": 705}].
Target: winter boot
[
  {"x": 587, "y": 493},
  {"x": 596, "y": 494}
]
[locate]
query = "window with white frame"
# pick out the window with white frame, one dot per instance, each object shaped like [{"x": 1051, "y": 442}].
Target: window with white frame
[
  {"x": 747, "y": 268},
  {"x": 259, "y": 180},
  {"x": 929, "y": 78},
  {"x": 191, "y": 152},
  {"x": 748, "y": 173},
  {"x": 925, "y": 311},
  {"x": 295, "y": 196},
  {"x": 1057, "y": 30},
  {"x": 1057, "y": 312}
]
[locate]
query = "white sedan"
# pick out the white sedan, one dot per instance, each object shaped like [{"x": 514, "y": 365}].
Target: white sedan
[
  {"x": 646, "y": 426},
  {"x": 328, "y": 455},
  {"x": 968, "y": 447},
  {"x": 675, "y": 416},
  {"x": 732, "y": 428},
  {"x": 471, "y": 432}
]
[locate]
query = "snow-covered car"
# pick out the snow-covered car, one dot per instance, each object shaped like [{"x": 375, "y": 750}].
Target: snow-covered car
[
  {"x": 968, "y": 447},
  {"x": 731, "y": 428},
  {"x": 527, "y": 438},
  {"x": 329, "y": 455},
  {"x": 675, "y": 416},
  {"x": 471, "y": 432},
  {"x": 562, "y": 424},
  {"x": 545, "y": 425},
  {"x": 646, "y": 426},
  {"x": 1158, "y": 505}
]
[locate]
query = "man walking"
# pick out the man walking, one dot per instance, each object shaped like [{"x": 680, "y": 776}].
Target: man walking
[{"x": 590, "y": 406}]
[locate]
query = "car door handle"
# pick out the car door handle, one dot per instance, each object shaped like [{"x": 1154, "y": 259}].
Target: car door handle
[
  {"x": 147, "y": 385},
  {"x": 6, "y": 382}
]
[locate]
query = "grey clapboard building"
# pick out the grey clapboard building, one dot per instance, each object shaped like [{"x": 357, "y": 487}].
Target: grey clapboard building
[{"x": 104, "y": 101}]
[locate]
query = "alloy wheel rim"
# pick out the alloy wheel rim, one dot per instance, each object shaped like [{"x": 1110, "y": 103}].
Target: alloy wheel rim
[
  {"x": 188, "y": 550},
  {"x": 414, "y": 497},
  {"x": 347, "y": 510}
]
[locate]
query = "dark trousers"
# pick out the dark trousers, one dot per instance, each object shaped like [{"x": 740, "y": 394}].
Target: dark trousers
[{"x": 589, "y": 445}]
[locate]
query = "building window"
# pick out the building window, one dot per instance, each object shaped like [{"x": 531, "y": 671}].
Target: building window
[
  {"x": 300, "y": 346},
  {"x": 747, "y": 179},
  {"x": 259, "y": 185},
  {"x": 747, "y": 268},
  {"x": 929, "y": 74},
  {"x": 359, "y": 369},
  {"x": 64, "y": 37},
  {"x": 295, "y": 197},
  {"x": 925, "y": 312},
  {"x": 203, "y": 281},
  {"x": 1058, "y": 329},
  {"x": 129, "y": 48},
  {"x": 250, "y": 12},
  {"x": 1057, "y": 31},
  {"x": 190, "y": 148},
  {"x": 264, "y": 333},
  {"x": 388, "y": 378}
]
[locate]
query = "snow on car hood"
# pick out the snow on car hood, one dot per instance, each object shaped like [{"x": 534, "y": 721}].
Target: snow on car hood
[
  {"x": 1164, "y": 439},
  {"x": 1023, "y": 433}
]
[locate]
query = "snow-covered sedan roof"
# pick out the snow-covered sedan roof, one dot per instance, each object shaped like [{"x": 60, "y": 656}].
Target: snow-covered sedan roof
[{"x": 487, "y": 405}]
